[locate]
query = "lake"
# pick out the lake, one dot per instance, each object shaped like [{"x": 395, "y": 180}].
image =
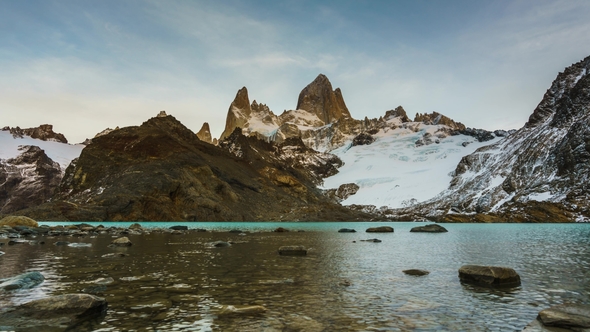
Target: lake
[{"x": 167, "y": 282}]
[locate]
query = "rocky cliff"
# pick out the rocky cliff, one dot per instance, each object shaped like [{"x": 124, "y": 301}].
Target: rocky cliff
[
  {"x": 162, "y": 171},
  {"x": 205, "y": 133},
  {"x": 319, "y": 99},
  {"x": 44, "y": 132},
  {"x": 538, "y": 173}
]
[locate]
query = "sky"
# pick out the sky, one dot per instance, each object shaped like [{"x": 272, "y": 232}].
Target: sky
[{"x": 84, "y": 66}]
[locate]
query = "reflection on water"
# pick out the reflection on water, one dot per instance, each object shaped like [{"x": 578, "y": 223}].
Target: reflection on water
[{"x": 178, "y": 282}]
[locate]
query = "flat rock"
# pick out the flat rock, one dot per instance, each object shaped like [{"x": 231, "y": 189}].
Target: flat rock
[
  {"x": 346, "y": 230},
  {"x": 22, "y": 281},
  {"x": 122, "y": 242},
  {"x": 292, "y": 251},
  {"x": 416, "y": 272},
  {"x": 380, "y": 229},
  {"x": 490, "y": 276},
  {"x": 56, "y": 312},
  {"x": 569, "y": 316},
  {"x": 432, "y": 228}
]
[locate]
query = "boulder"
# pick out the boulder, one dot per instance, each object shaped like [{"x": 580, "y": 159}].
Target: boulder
[
  {"x": 221, "y": 244},
  {"x": 567, "y": 316},
  {"x": 380, "y": 229},
  {"x": 346, "y": 230},
  {"x": 22, "y": 281},
  {"x": 416, "y": 272},
  {"x": 18, "y": 221},
  {"x": 432, "y": 228},
  {"x": 61, "y": 312},
  {"x": 135, "y": 226},
  {"x": 121, "y": 242},
  {"x": 292, "y": 251},
  {"x": 490, "y": 276}
]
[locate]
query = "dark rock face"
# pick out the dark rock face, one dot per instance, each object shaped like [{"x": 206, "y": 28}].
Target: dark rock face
[
  {"x": 397, "y": 112},
  {"x": 380, "y": 229},
  {"x": 346, "y": 190},
  {"x": 161, "y": 171},
  {"x": 489, "y": 276},
  {"x": 363, "y": 139},
  {"x": 433, "y": 228},
  {"x": 319, "y": 98},
  {"x": 480, "y": 134},
  {"x": 62, "y": 312},
  {"x": 43, "y": 132},
  {"x": 28, "y": 180}
]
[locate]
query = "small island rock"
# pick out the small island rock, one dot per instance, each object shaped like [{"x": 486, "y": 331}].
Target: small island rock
[
  {"x": 490, "y": 276},
  {"x": 380, "y": 229},
  {"x": 346, "y": 230},
  {"x": 416, "y": 272},
  {"x": 432, "y": 228}
]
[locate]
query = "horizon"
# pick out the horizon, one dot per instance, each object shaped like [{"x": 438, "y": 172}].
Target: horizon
[{"x": 86, "y": 66}]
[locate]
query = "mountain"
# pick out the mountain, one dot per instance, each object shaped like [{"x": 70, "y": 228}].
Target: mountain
[
  {"x": 32, "y": 163},
  {"x": 539, "y": 173},
  {"x": 162, "y": 171},
  {"x": 205, "y": 134}
]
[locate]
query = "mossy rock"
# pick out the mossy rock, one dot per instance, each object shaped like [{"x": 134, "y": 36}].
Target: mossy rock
[{"x": 18, "y": 221}]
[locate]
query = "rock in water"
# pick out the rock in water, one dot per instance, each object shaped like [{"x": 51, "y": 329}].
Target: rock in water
[
  {"x": 179, "y": 228},
  {"x": 292, "y": 251},
  {"x": 380, "y": 229},
  {"x": 13, "y": 221},
  {"x": 241, "y": 310},
  {"x": 433, "y": 228},
  {"x": 416, "y": 272},
  {"x": 62, "y": 312},
  {"x": 490, "y": 276},
  {"x": 567, "y": 316},
  {"x": 122, "y": 242},
  {"x": 22, "y": 281},
  {"x": 346, "y": 230}
]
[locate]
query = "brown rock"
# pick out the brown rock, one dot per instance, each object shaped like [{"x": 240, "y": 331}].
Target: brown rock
[
  {"x": 18, "y": 221},
  {"x": 568, "y": 316},
  {"x": 205, "y": 133},
  {"x": 319, "y": 98},
  {"x": 122, "y": 242},
  {"x": 432, "y": 228},
  {"x": 292, "y": 251},
  {"x": 490, "y": 276},
  {"x": 416, "y": 272},
  {"x": 436, "y": 118},
  {"x": 238, "y": 113}
]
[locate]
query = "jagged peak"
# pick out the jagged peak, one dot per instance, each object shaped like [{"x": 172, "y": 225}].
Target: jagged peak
[
  {"x": 397, "y": 112},
  {"x": 205, "y": 133},
  {"x": 436, "y": 118},
  {"x": 241, "y": 101},
  {"x": 162, "y": 114},
  {"x": 319, "y": 98},
  {"x": 44, "y": 132}
]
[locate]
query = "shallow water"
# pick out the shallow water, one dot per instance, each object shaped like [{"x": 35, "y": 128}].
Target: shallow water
[{"x": 177, "y": 282}]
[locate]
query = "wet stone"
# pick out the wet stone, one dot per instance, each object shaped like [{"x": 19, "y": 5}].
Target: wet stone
[
  {"x": 121, "y": 242},
  {"x": 570, "y": 316},
  {"x": 372, "y": 240},
  {"x": 432, "y": 228},
  {"x": 22, "y": 281},
  {"x": 416, "y": 272},
  {"x": 179, "y": 228},
  {"x": 346, "y": 230},
  {"x": 489, "y": 276},
  {"x": 228, "y": 310}
]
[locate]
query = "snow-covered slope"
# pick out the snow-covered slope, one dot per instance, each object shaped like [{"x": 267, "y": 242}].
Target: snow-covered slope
[
  {"x": 394, "y": 172},
  {"x": 59, "y": 152}
]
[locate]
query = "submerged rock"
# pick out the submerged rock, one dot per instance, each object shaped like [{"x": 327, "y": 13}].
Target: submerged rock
[
  {"x": 432, "y": 228},
  {"x": 568, "y": 316},
  {"x": 380, "y": 229},
  {"x": 372, "y": 240},
  {"x": 416, "y": 272},
  {"x": 292, "y": 251},
  {"x": 22, "y": 281},
  {"x": 241, "y": 310},
  {"x": 490, "y": 276},
  {"x": 281, "y": 230},
  {"x": 55, "y": 312}
]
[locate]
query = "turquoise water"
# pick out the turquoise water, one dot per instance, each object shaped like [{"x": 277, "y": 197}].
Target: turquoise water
[{"x": 343, "y": 284}]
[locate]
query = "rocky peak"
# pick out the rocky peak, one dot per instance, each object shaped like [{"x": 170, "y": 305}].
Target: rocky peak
[
  {"x": 205, "y": 133},
  {"x": 162, "y": 114},
  {"x": 44, "y": 132},
  {"x": 574, "y": 81},
  {"x": 238, "y": 113},
  {"x": 319, "y": 98},
  {"x": 436, "y": 118},
  {"x": 397, "y": 112}
]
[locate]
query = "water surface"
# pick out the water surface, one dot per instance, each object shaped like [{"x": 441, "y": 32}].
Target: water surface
[{"x": 177, "y": 282}]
